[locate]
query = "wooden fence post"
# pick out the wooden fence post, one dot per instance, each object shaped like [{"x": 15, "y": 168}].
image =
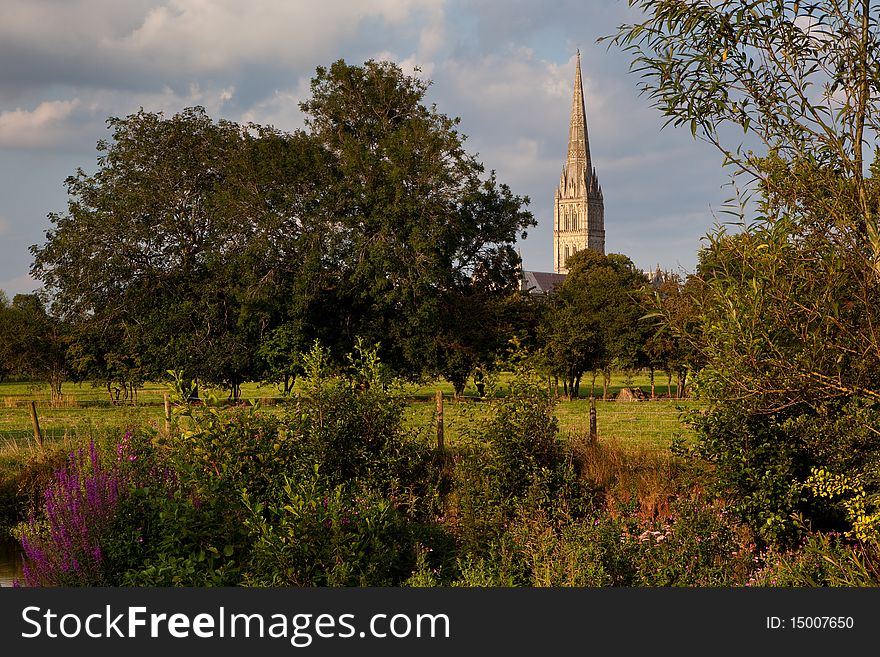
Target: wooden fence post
[
  {"x": 38, "y": 435},
  {"x": 167, "y": 414},
  {"x": 594, "y": 434},
  {"x": 440, "y": 439}
]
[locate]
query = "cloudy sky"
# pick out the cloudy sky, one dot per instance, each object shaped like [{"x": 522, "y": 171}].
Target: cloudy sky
[{"x": 505, "y": 67}]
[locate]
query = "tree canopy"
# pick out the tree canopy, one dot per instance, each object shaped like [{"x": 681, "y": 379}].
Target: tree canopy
[
  {"x": 594, "y": 318},
  {"x": 785, "y": 307},
  {"x": 223, "y": 250}
]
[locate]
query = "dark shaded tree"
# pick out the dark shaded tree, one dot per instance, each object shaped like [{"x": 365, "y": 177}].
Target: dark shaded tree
[
  {"x": 594, "y": 318},
  {"x": 420, "y": 234},
  {"x": 174, "y": 254},
  {"x": 33, "y": 343},
  {"x": 224, "y": 250}
]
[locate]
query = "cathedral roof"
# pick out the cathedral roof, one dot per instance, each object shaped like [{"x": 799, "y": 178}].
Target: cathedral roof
[{"x": 541, "y": 282}]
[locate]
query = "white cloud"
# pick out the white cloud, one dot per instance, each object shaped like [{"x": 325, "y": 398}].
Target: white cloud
[
  {"x": 280, "y": 110},
  {"x": 495, "y": 63},
  {"x": 4, "y": 227},
  {"x": 43, "y": 125},
  {"x": 630, "y": 162},
  {"x": 214, "y": 35}
]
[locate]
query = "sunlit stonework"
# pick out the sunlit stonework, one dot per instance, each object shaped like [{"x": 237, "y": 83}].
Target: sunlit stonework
[{"x": 579, "y": 208}]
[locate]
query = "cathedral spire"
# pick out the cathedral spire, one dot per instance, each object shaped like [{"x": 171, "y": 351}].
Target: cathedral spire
[
  {"x": 578, "y": 141},
  {"x": 579, "y": 212}
]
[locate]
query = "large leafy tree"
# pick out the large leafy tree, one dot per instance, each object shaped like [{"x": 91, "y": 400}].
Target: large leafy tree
[
  {"x": 224, "y": 250},
  {"x": 419, "y": 230},
  {"x": 790, "y": 93},
  {"x": 170, "y": 254}
]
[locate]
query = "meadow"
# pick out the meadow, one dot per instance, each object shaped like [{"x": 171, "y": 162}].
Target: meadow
[{"x": 87, "y": 409}]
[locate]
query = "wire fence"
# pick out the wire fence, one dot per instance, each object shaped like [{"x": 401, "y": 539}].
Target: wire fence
[{"x": 654, "y": 424}]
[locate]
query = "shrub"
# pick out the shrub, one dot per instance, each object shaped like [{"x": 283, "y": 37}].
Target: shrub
[
  {"x": 63, "y": 544},
  {"x": 262, "y": 499},
  {"x": 22, "y": 484},
  {"x": 822, "y": 559},
  {"x": 527, "y": 459},
  {"x": 762, "y": 461},
  {"x": 321, "y": 534},
  {"x": 698, "y": 544}
]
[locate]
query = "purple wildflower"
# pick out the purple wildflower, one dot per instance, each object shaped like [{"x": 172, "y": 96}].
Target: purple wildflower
[{"x": 63, "y": 546}]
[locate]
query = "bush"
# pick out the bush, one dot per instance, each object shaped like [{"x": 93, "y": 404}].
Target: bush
[
  {"x": 527, "y": 460},
  {"x": 821, "y": 560},
  {"x": 261, "y": 499},
  {"x": 320, "y": 534},
  {"x": 22, "y": 484},
  {"x": 762, "y": 461},
  {"x": 699, "y": 544}
]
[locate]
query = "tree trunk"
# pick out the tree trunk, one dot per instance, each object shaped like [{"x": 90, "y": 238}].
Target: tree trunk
[
  {"x": 480, "y": 382},
  {"x": 55, "y": 386},
  {"x": 651, "y": 374}
]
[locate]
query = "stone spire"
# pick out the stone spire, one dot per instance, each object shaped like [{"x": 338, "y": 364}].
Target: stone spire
[
  {"x": 578, "y": 141},
  {"x": 579, "y": 213}
]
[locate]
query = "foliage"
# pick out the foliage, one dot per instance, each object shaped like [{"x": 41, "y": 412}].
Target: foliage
[
  {"x": 142, "y": 261},
  {"x": 313, "y": 533},
  {"x": 420, "y": 229},
  {"x": 787, "y": 306},
  {"x": 697, "y": 544},
  {"x": 225, "y": 250},
  {"x": 798, "y": 78},
  {"x": 210, "y": 506},
  {"x": 821, "y": 559},
  {"x": 524, "y": 445},
  {"x": 860, "y": 510},
  {"x": 33, "y": 342},
  {"x": 785, "y": 330},
  {"x": 63, "y": 545},
  {"x": 594, "y": 318},
  {"x": 265, "y": 499},
  {"x": 674, "y": 346}
]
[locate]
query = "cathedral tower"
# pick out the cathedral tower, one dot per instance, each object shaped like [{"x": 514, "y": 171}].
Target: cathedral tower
[{"x": 579, "y": 208}]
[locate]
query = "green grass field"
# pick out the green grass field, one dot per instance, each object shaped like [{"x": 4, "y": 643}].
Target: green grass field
[{"x": 87, "y": 409}]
